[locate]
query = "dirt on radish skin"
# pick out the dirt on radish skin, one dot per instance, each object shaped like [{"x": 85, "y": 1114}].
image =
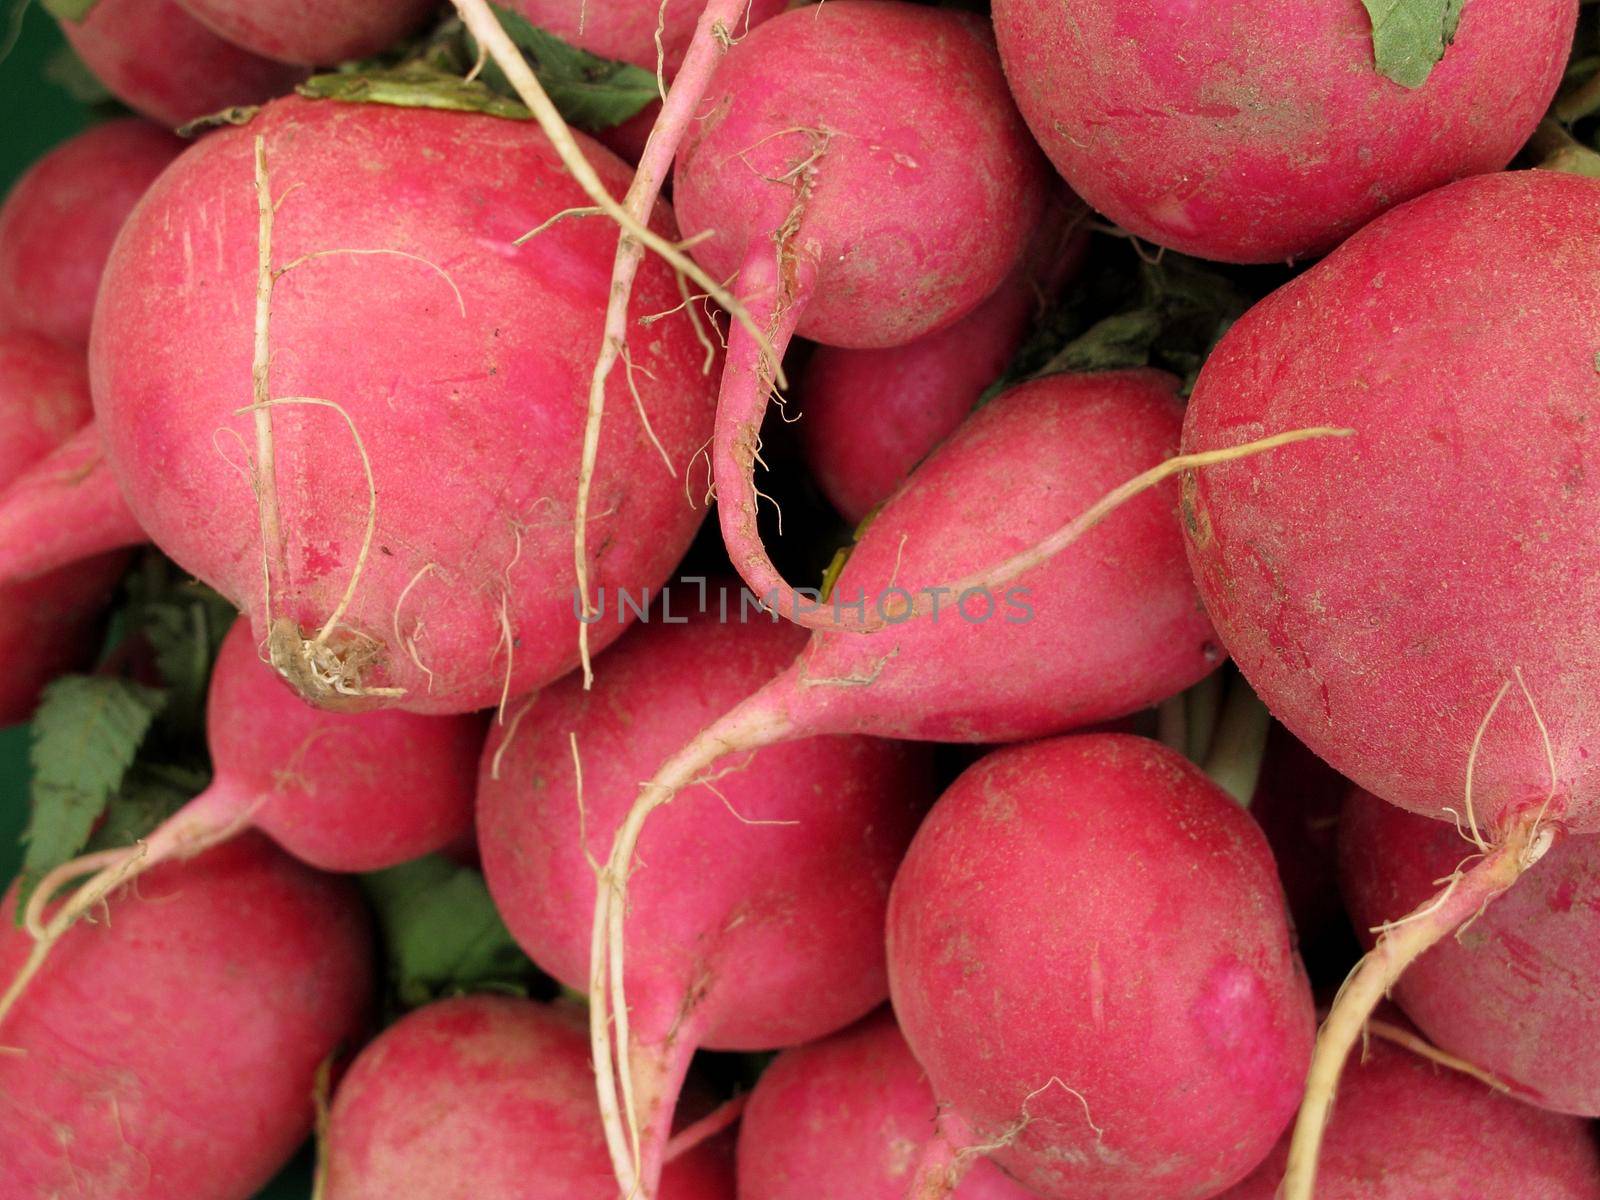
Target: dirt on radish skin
[
  {"x": 843, "y": 1119},
  {"x": 1022, "y": 929},
  {"x": 1251, "y": 132},
  {"x": 1406, "y": 1128},
  {"x": 1381, "y": 591},
  {"x": 1514, "y": 992},
  {"x": 310, "y": 32},
  {"x": 484, "y": 1098},
  {"x": 177, "y": 1041},
  {"x": 460, "y": 360},
  {"x": 57, "y": 224},
  {"x": 765, "y": 884},
  {"x": 161, "y": 62},
  {"x": 858, "y": 209}
]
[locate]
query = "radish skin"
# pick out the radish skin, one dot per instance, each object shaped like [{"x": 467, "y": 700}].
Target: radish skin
[
  {"x": 57, "y": 224},
  {"x": 178, "y": 1040},
  {"x": 770, "y": 883},
  {"x": 1089, "y": 858},
  {"x": 310, "y": 32},
  {"x": 1254, "y": 132}
]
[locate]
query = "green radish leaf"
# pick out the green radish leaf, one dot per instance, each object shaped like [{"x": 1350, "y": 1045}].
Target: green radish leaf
[
  {"x": 592, "y": 93},
  {"x": 68, "y": 10},
  {"x": 86, "y": 733},
  {"x": 183, "y": 622},
  {"x": 443, "y": 934},
  {"x": 413, "y": 85},
  {"x": 1409, "y": 36}
]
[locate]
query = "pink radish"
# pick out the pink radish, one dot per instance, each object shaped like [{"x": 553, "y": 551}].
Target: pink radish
[
  {"x": 858, "y": 209},
  {"x": 168, "y": 1052},
  {"x": 161, "y": 62},
  {"x": 1251, "y": 132},
  {"x": 770, "y": 885},
  {"x": 642, "y": 32},
  {"x": 1089, "y": 955},
  {"x": 869, "y": 416},
  {"x": 340, "y": 791},
  {"x": 1080, "y": 637},
  {"x": 1416, "y": 604},
  {"x": 1406, "y": 1128},
  {"x": 48, "y": 623},
  {"x": 311, "y": 32},
  {"x": 1514, "y": 992},
  {"x": 484, "y": 1098},
  {"x": 844, "y": 1119},
  {"x": 65, "y": 507},
  {"x": 418, "y": 397},
  {"x": 58, "y": 222}
]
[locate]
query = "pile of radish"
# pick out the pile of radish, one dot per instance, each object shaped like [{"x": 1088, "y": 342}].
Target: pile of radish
[{"x": 1130, "y": 732}]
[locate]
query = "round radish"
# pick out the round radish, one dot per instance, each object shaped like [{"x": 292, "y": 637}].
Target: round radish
[
  {"x": 484, "y": 1098},
  {"x": 1178, "y": 1052},
  {"x": 645, "y": 33},
  {"x": 768, "y": 884},
  {"x": 1406, "y": 1128},
  {"x": 1515, "y": 991},
  {"x": 845, "y": 1119},
  {"x": 58, "y": 222},
  {"x": 311, "y": 32},
  {"x": 858, "y": 208},
  {"x": 169, "y": 1052},
  {"x": 161, "y": 62},
  {"x": 1248, "y": 132},
  {"x": 1415, "y": 603},
  {"x": 411, "y": 339}
]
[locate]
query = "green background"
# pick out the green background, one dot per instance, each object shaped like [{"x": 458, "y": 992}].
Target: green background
[{"x": 35, "y": 114}]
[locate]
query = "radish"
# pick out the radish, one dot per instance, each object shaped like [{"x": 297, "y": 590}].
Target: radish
[
  {"x": 869, "y": 416},
  {"x": 1515, "y": 991},
  {"x": 168, "y": 1052},
  {"x": 340, "y": 791},
  {"x": 844, "y": 1119},
  {"x": 1406, "y": 1128},
  {"x": 484, "y": 1098},
  {"x": 1416, "y": 604},
  {"x": 1170, "y": 1059},
  {"x": 58, "y": 222},
  {"x": 311, "y": 32},
  {"x": 65, "y": 507},
  {"x": 1250, "y": 133},
  {"x": 642, "y": 32},
  {"x": 1079, "y": 638},
  {"x": 409, "y": 340},
  {"x": 770, "y": 885},
  {"x": 859, "y": 208},
  {"x": 47, "y": 624},
  {"x": 162, "y": 63}
]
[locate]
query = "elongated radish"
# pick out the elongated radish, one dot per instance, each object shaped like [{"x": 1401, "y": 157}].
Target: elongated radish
[
  {"x": 1103, "y": 629},
  {"x": 1416, "y": 604},
  {"x": 408, "y": 388},
  {"x": 858, "y": 209},
  {"x": 769, "y": 885},
  {"x": 161, "y": 62},
  {"x": 1514, "y": 991},
  {"x": 57, "y": 224},
  {"x": 169, "y": 1051},
  {"x": 484, "y": 1098},
  {"x": 340, "y": 791},
  {"x": 844, "y": 1119},
  {"x": 1089, "y": 955}
]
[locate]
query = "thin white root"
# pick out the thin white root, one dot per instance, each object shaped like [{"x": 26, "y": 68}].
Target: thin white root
[{"x": 1423, "y": 1048}]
